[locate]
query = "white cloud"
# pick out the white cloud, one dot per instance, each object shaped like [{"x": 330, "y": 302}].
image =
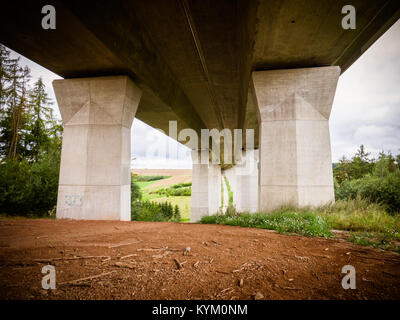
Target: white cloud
[{"x": 366, "y": 109}]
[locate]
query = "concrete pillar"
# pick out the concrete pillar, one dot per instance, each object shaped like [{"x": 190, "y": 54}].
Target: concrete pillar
[
  {"x": 294, "y": 106},
  {"x": 206, "y": 187},
  {"x": 234, "y": 187},
  {"x": 214, "y": 188},
  {"x": 247, "y": 179},
  {"x": 95, "y": 160},
  {"x": 225, "y": 193}
]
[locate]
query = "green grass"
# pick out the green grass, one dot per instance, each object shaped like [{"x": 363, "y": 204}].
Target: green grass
[
  {"x": 148, "y": 178},
  {"x": 360, "y": 215},
  {"x": 368, "y": 223},
  {"x": 180, "y": 189},
  {"x": 304, "y": 223},
  {"x": 144, "y": 184},
  {"x": 377, "y": 240}
]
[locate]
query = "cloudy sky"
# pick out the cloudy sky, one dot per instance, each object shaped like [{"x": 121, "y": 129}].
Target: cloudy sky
[{"x": 366, "y": 109}]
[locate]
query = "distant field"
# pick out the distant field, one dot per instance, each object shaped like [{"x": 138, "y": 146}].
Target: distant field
[
  {"x": 175, "y": 176},
  {"x": 162, "y": 172},
  {"x": 168, "y": 182},
  {"x": 144, "y": 184}
]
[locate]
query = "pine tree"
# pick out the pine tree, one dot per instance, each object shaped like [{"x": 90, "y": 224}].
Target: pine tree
[
  {"x": 177, "y": 214},
  {"x": 42, "y": 127},
  {"x": 4, "y": 74},
  {"x": 14, "y": 108},
  {"x": 7, "y": 65}
]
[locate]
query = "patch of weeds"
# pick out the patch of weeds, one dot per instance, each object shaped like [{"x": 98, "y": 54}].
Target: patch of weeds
[
  {"x": 384, "y": 241},
  {"x": 304, "y": 223}
]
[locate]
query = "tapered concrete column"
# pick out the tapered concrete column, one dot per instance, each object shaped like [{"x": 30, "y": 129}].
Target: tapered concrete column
[
  {"x": 247, "y": 180},
  {"x": 95, "y": 160},
  {"x": 295, "y": 153},
  {"x": 206, "y": 187}
]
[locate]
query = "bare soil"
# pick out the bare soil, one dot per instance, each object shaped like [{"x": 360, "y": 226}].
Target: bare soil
[{"x": 138, "y": 260}]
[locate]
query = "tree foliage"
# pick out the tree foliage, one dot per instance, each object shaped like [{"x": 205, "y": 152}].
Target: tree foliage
[
  {"x": 30, "y": 142},
  {"x": 377, "y": 180}
]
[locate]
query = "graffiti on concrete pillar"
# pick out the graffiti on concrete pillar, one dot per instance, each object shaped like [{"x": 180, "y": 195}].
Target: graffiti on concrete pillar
[{"x": 73, "y": 200}]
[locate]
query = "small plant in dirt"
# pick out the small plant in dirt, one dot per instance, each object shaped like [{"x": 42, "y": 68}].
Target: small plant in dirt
[{"x": 385, "y": 241}]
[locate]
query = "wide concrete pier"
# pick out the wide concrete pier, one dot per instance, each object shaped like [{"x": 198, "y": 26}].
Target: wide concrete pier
[
  {"x": 96, "y": 149},
  {"x": 294, "y": 106}
]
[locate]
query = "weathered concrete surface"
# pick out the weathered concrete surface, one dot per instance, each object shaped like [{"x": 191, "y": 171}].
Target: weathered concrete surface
[
  {"x": 206, "y": 187},
  {"x": 243, "y": 182},
  {"x": 295, "y": 152},
  {"x": 95, "y": 160},
  {"x": 247, "y": 179}
]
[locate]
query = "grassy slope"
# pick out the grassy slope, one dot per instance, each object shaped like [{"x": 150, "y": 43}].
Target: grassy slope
[
  {"x": 368, "y": 223},
  {"x": 144, "y": 184}
]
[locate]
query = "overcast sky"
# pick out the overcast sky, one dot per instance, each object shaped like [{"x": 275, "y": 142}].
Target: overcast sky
[{"x": 366, "y": 109}]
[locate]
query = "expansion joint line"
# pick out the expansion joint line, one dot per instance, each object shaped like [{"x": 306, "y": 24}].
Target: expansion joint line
[{"x": 200, "y": 53}]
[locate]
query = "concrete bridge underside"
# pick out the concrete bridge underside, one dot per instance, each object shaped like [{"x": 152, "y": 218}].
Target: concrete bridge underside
[{"x": 271, "y": 66}]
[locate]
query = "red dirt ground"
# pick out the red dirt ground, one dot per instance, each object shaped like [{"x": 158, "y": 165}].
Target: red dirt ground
[{"x": 137, "y": 262}]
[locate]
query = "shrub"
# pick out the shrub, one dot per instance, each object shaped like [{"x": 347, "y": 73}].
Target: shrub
[
  {"x": 136, "y": 194},
  {"x": 29, "y": 189},
  {"x": 181, "y": 189},
  {"x": 177, "y": 214},
  {"x": 375, "y": 180},
  {"x": 383, "y": 190},
  {"x": 152, "y": 211}
]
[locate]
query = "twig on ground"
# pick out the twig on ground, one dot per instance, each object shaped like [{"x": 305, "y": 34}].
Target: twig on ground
[
  {"x": 219, "y": 271},
  {"x": 178, "y": 264},
  {"x": 124, "y": 265},
  {"x": 70, "y": 258},
  {"x": 123, "y": 244},
  {"x": 128, "y": 256},
  {"x": 87, "y": 278}
]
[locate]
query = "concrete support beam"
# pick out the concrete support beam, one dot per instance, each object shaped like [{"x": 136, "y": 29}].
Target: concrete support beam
[
  {"x": 294, "y": 106},
  {"x": 206, "y": 187},
  {"x": 95, "y": 160}
]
